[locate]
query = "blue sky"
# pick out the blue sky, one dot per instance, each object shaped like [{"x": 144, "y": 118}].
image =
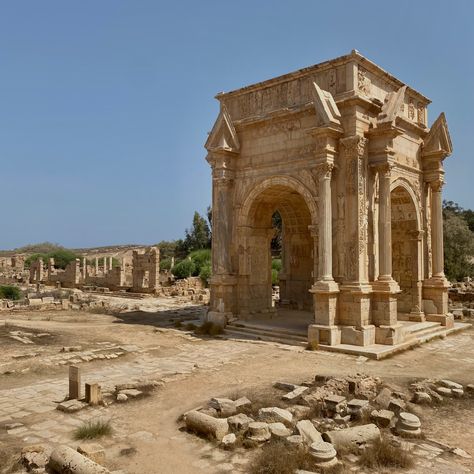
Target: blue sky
[{"x": 105, "y": 105}]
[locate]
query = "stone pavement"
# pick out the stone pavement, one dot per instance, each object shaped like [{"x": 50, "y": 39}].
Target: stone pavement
[{"x": 20, "y": 404}]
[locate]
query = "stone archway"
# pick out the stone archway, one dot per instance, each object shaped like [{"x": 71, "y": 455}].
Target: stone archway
[
  {"x": 297, "y": 209},
  {"x": 406, "y": 251}
]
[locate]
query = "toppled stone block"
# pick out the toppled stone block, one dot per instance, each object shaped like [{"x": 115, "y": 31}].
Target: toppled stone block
[
  {"x": 279, "y": 430},
  {"x": 309, "y": 433},
  {"x": 294, "y": 394},
  {"x": 299, "y": 411},
  {"x": 225, "y": 406},
  {"x": 444, "y": 391},
  {"x": 396, "y": 405},
  {"x": 239, "y": 422},
  {"x": 132, "y": 393},
  {"x": 354, "y": 436},
  {"x": 422, "y": 398},
  {"x": 295, "y": 440},
  {"x": 242, "y": 402},
  {"x": 383, "y": 398},
  {"x": 207, "y": 425},
  {"x": 228, "y": 440},
  {"x": 259, "y": 431},
  {"x": 34, "y": 458},
  {"x": 93, "y": 451},
  {"x": 275, "y": 414},
  {"x": 64, "y": 459},
  {"x": 382, "y": 418},
  {"x": 285, "y": 386},
  {"x": 450, "y": 384},
  {"x": 121, "y": 397}
]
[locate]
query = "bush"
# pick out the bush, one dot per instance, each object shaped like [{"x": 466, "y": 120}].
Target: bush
[
  {"x": 62, "y": 258},
  {"x": 209, "y": 329},
  {"x": 276, "y": 264},
  {"x": 165, "y": 264},
  {"x": 383, "y": 454},
  {"x": 184, "y": 269},
  {"x": 10, "y": 292},
  {"x": 205, "y": 273},
  {"x": 200, "y": 258},
  {"x": 275, "y": 279}
]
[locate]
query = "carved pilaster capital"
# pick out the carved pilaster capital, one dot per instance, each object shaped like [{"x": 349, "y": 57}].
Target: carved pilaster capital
[
  {"x": 314, "y": 231},
  {"x": 355, "y": 145},
  {"x": 384, "y": 169},
  {"x": 437, "y": 185},
  {"x": 324, "y": 170}
]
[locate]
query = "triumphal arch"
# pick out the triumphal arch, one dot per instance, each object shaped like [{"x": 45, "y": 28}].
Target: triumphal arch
[{"x": 342, "y": 150}]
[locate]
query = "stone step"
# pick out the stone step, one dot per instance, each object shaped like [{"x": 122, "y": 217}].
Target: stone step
[
  {"x": 265, "y": 336},
  {"x": 270, "y": 329},
  {"x": 420, "y": 327},
  {"x": 423, "y": 331}
]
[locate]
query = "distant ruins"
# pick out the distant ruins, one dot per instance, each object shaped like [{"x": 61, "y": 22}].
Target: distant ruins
[
  {"x": 141, "y": 274},
  {"x": 343, "y": 152}
]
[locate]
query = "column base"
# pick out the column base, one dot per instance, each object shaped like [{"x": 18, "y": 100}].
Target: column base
[
  {"x": 417, "y": 316},
  {"x": 384, "y": 302},
  {"x": 354, "y": 304},
  {"x": 325, "y": 302},
  {"x": 221, "y": 319},
  {"x": 390, "y": 335},
  {"x": 326, "y": 335},
  {"x": 435, "y": 295},
  {"x": 446, "y": 320},
  {"x": 358, "y": 336}
]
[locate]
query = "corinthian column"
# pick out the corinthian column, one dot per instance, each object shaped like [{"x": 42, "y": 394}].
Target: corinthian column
[
  {"x": 385, "y": 224},
  {"x": 325, "y": 223},
  {"x": 437, "y": 229}
]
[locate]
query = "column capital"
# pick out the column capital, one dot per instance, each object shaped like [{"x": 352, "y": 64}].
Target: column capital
[
  {"x": 384, "y": 169},
  {"x": 324, "y": 170},
  {"x": 354, "y": 145},
  {"x": 437, "y": 185}
]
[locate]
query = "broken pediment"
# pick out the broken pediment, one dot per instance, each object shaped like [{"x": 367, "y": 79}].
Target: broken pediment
[
  {"x": 223, "y": 135},
  {"x": 326, "y": 108},
  {"x": 392, "y": 104},
  {"x": 438, "y": 141}
]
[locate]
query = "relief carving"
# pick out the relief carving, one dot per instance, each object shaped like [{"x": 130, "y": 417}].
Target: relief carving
[
  {"x": 332, "y": 82},
  {"x": 421, "y": 114},
  {"x": 363, "y": 81},
  {"x": 411, "y": 110}
]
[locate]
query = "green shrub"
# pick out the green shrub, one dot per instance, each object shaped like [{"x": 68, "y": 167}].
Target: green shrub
[
  {"x": 10, "y": 292},
  {"x": 205, "y": 272},
  {"x": 165, "y": 264},
  {"x": 275, "y": 279},
  {"x": 209, "y": 329},
  {"x": 184, "y": 269},
  {"x": 276, "y": 264},
  {"x": 200, "y": 258},
  {"x": 62, "y": 257}
]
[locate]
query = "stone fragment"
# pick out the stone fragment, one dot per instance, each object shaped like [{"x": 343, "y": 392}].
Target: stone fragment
[
  {"x": 396, "y": 405},
  {"x": 382, "y": 418},
  {"x": 444, "y": 391},
  {"x": 207, "y": 425},
  {"x": 408, "y": 424},
  {"x": 64, "y": 459},
  {"x": 458, "y": 392},
  {"x": 228, "y": 440},
  {"x": 422, "y": 398},
  {"x": 460, "y": 452},
  {"x": 354, "y": 436},
  {"x": 71, "y": 406},
  {"x": 93, "y": 394},
  {"x": 309, "y": 433},
  {"x": 299, "y": 411},
  {"x": 132, "y": 393},
  {"x": 242, "y": 402},
  {"x": 74, "y": 382},
  {"x": 239, "y": 422},
  {"x": 279, "y": 430},
  {"x": 121, "y": 397},
  {"x": 275, "y": 414},
  {"x": 470, "y": 388},
  {"x": 224, "y": 406},
  {"x": 93, "y": 451},
  {"x": 296, "y": 440},
  {"x": 259, "y": 431},
  {"x": 323, "y": 454},
  {"x": 450, "y": 384},
  {"x": 285, "y": 386},
  {"x": 335, "y": 403},
  {"x": 383, "y": 398},
  {"x": 294, "y": 394},
  {"x": 34, "y": 458}
]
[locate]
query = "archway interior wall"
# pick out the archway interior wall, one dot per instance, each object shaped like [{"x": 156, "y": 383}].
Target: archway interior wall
[
  {"x": 296, "y": 276},
  {"x": 405, "y": 252}
]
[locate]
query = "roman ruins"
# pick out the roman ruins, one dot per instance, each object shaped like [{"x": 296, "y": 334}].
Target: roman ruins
[{"x": 343, "y": 151}]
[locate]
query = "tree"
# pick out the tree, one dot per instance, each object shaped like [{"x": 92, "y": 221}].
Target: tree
[
  {"x": 458, "y": 243},
  {"x": 199, "y": 236},
  {"x": 277, "y": 239}
]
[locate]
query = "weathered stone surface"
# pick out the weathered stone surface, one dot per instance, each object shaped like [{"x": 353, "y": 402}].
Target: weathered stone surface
[
  {"x": 258, "y": 431},
  {"x": 228, "y": 440},
  {"x": 396, "y": 405},
  {"x": 242, "y": 402},
  {"x": 121, "y": 397},
  {"x": 382, "y": 418},
  {"x": 239, "y": 422},
  {"x": 93, "y": 451},
  {"x": 64, "y": 459},
  {"x": 408, "y": 424},
  {"x": 323, "y": 453},
  {"x": 422, "y": 398},
  {"x": 444, "y": 391},
  {"x": 355, "y": 436},
  {"x": 458, "y": 392},
  {"x": 132, "y": 393},
  {"x": 224, "y": 406},
  {"x": 450, "y": 384},
  {"x": 294, "y": 394},
  {"x": 275, "y": 414},
  {"x": 71, "y": 406},
  {"x": 383, "y": 398},
  {"x": 299, "y": 411},
  {"x": 297, "y": 440},
  {"x": 279, "y": 430},
  {"x": 309, "y": 433},
  {"x": 207, "y": 425}
]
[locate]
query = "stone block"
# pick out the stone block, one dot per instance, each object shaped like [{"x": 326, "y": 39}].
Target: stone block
[{"x": 93, "y": 451}]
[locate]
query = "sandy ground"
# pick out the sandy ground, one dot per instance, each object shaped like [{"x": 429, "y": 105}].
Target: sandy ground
[{"x": 194, "y": 369}]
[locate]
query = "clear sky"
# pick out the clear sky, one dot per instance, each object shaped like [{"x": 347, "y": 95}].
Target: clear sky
[{"x": 105, "y": 104}]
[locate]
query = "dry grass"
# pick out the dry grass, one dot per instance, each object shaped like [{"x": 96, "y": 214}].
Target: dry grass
[
  {"x": 383, "y": 454},
  {"x": 260, "y": 398},
  {"x": 280, "y": 458},
  {"x": 93, "y": 429},
  {"x": 312, "y": 346}
]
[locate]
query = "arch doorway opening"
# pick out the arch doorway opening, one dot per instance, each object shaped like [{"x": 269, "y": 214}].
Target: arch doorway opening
[
  {"x": 278, "y": 252},
  {"x": 406, "y": 241}
]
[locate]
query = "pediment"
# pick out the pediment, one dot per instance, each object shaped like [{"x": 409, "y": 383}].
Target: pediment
[
  {"x": 391, "y": 106},
  {"x": 438, "y": 140},
  {"x": 326, "y": 108},
  {"x": 223, "y": 135}
]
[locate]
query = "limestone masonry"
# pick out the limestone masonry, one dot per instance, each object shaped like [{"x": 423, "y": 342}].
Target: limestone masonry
[{"x": 343, "y": 151}]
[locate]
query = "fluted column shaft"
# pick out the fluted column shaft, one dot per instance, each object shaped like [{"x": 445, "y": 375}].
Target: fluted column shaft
[
  {"x": 325, "y": 224},
  {"x": 437, "y": 229},
  {"x": 385, "y": 225}
]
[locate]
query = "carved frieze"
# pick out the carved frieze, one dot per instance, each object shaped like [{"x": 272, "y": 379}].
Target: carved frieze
[{"x": 363, "y": 81}]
